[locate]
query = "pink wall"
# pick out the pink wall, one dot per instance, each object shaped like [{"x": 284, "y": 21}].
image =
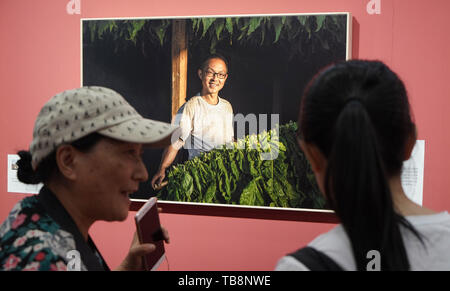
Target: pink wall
[{"x": 40, "y": 56}]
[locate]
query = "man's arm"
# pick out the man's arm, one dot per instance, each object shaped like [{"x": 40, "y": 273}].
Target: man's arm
[
  {"x": 168, "y": 157},
  {"x": 184, "y": 120}
]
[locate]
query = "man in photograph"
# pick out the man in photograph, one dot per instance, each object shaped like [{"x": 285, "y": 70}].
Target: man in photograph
[{"x": 206, "y": 120}]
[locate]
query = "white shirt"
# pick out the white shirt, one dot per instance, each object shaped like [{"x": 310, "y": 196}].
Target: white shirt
[
  {"x": 434, "y": 228},
  {"x": 205, "y": 126}
]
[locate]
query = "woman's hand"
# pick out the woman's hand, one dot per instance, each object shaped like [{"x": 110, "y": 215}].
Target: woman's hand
[{"x": 134, "y": 260}]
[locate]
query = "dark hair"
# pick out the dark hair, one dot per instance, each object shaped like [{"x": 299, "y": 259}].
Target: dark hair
[
  {"x": 47, "y": 167},
  {"x": 357, "y": 114},
  {"x": 214, "y": 56}
]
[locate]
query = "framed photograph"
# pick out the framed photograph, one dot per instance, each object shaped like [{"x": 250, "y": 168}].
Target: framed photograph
[{"x": 154, "y": 63}]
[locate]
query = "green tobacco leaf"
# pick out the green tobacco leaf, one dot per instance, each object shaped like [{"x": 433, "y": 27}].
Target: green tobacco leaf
[
  {"x": 281, "y": 197},
  {"x": 204, "y": 172},
  {"x": 263, "y": 34},
  {"x": 308, "y": 29},
  {"x": 249, "y": 194},
  {"x": 219, "y": 26},
  {"x": 294, "y": 198},
  {"x": 234, "y": 169},
  {"x": 244, "y": 27},
  {"x": 244, "y": 23},
  {"x": 93, "y": 29},
  {"x": 187, "y": 185},
  {"x": 207, "y": 22},
  {"x": 239, "y": 176},
  {"x": 133, "y": 30},
  {"x": 102, "y": 27},
  {"x": 227, "y": 193},
  {"x": 319, "y": 21},
  {"x": 268, "y": 187},
  {"x": 196, "y": 177},
  {"x": 210, "y": 193},
  {"x": 195, "y": 24},
  {"x": 278, "y": 26},
  {"x": 160, "y": 33},
  {"x": 254, "y": 23},
  {"x": 240, "y": 160},
  {"x": 253, "y": 170},
  {"x": 302, "y": 19},
  {"x": 229, "y": 25},
  {"x": 259, "y": 196},
  {"x": 112, "y": 25}
]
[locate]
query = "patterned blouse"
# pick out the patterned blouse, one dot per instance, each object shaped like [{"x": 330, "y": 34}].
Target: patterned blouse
[{"x": 39, "y": 234}]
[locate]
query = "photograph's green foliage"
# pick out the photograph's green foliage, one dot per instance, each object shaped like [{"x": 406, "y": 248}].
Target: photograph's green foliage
[
  {"x": 236, "y": 174},
  {"x": 258, "y": 31}
]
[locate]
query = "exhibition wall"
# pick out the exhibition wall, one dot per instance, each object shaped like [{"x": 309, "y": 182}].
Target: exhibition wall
[{"x": 40, "y": 55}]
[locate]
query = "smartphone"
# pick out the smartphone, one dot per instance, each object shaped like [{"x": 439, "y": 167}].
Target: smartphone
[{"x": 149, "y": 231}]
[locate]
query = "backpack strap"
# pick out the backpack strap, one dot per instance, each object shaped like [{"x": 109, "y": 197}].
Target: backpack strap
[{"x": 315, "y": 260}]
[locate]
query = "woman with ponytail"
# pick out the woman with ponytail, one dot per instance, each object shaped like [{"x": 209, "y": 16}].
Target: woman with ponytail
[{"x": 356, "y": 130}]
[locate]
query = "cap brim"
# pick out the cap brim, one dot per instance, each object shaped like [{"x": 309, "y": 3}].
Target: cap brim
[{"x": 150, "y": 133}]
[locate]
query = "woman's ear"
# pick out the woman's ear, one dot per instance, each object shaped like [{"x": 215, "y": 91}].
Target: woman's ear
[
  {"x": 200, "y": 72},
  {"x": 65, "y": 160}
]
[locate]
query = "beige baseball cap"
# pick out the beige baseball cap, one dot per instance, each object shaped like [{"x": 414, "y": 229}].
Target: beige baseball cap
[{"x": 73, "y": 114}]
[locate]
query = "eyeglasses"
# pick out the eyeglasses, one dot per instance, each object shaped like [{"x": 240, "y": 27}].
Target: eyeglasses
[{"x": 211, "y": 74}]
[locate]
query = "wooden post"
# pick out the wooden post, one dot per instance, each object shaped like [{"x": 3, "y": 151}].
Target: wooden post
[{"x": 179, "y": 64}]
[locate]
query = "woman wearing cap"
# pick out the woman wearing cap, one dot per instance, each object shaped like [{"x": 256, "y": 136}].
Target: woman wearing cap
[{"x": 86, "y": 150}]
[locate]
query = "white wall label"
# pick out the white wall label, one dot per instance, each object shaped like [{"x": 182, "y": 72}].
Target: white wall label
[
  {"x": 412, "y": 173},
  {"x": 14, "y": 185}
]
